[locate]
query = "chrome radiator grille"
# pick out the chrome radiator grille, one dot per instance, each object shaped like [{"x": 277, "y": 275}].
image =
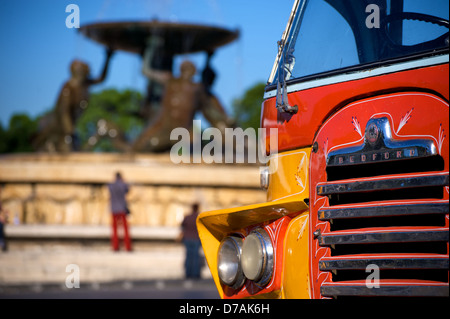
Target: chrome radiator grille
[
  {"x": 406, "y": 239},
  {"x": 384, "y": 216}
]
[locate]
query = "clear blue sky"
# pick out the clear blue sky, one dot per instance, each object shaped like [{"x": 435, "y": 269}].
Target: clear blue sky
[{"x": 37, "y": 47}]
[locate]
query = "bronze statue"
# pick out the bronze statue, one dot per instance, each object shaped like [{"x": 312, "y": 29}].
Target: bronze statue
[
  {"x": 171, "y": 102},
  {"x": 181, "y": 99},
  {"x": 157, "y": 57},
  {"x": 212, "y": 108},
  {"x": 57, "y": 129}
]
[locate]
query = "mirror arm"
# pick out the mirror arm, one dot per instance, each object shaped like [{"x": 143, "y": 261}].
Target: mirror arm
[{"x": 282, "y": 102}]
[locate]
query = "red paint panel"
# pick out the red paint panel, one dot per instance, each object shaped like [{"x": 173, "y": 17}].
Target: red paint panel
[{"x": 317, "y": 104}]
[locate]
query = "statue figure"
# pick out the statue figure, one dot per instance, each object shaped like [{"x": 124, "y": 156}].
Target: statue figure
[
  {"x": 181, "y": 99},
  {"x": 158, "y": 58},
  {"x": 212, "y": 108},
  {"x": 170, "y": 102},
  {"x": 57, "y": 129}
]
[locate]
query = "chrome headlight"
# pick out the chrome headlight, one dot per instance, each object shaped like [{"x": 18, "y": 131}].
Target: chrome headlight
[
  {"x": 257, "y": 257},
  {"x": 229, "y": 262}
]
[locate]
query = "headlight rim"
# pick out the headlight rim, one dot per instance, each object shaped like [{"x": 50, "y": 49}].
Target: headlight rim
[
  {"x": 239, "y": 280},
  {"x": 267, "y": 270}
]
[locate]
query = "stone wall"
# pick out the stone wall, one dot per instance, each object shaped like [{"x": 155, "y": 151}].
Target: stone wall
[{"x": 72, "y": 189}]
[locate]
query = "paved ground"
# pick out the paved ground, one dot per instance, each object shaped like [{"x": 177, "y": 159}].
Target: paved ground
[
  {"x": 126, "y": 289},
  {"x": 49, "y": 269}
]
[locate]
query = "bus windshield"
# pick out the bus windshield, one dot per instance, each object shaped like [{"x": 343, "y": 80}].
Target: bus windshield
[{"x": 330, "y": 35}]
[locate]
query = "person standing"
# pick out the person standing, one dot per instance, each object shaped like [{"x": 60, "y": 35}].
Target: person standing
[
  {"x": 119, "y": 211},
  {"x": 3, "y": 222},
  {"x": 191, "y": 241}
]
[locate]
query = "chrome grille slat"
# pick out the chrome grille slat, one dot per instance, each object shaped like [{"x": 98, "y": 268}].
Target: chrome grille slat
[
  {"x": 382, "y": 184},
  {"x": 384, "y": 210},
  {"x": 387, "y": 289},
  {"x": 385, "y": 262},
  {"x": 384, "y": 236}
]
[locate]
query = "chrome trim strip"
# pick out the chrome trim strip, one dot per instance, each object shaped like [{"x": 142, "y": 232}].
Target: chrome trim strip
[
  {"x": 384, "y": 210},
  {"x": 380, "y": 146},
  {"x": 382, "y": 184},
  {"x": 284, "y": 36},
  {"x": 438, "y": 262},
  {"x": 435, "y": 60},
  {"x": 383, "y": 237},
  {"x": 410, "y": 290}
]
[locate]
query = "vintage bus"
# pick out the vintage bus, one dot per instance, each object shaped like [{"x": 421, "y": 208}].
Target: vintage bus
[{"x": 358, "y": 182}]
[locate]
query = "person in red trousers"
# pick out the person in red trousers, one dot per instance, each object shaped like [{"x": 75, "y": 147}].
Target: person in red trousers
[{"x": 119, "y": 211}]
